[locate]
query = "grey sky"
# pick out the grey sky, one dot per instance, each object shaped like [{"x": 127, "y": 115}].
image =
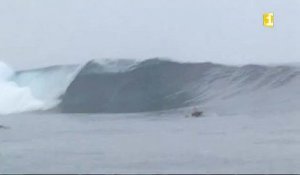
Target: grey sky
[{"x": 43, "y": 32}]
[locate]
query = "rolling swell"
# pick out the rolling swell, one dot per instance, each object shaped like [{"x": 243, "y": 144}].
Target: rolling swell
[
  {"x": 152, "y": 85},
  {"x": 155, "y": 84}
]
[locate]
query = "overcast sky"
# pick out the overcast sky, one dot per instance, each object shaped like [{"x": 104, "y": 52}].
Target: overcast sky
[{"x": 44, "y": 32}]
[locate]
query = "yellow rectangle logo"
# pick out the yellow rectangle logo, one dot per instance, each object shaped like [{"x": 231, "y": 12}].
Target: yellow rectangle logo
[{"x": 268, "y": 20}]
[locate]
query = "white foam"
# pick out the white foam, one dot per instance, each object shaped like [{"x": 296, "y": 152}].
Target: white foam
[{"x": 14, "y": 98}]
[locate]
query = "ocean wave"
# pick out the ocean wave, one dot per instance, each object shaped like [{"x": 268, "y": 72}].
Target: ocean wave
[{"x": 120, "y": 86}]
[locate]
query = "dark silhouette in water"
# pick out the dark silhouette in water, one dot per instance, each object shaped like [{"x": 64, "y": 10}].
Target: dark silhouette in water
[
  {"x": 3, "y": 127},
  {"x": 197, "y": 114}
]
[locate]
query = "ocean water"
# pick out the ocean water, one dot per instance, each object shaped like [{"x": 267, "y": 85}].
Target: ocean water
[
  {"x": 250, "y": 123},
  {"x": 165, "y": 142}
]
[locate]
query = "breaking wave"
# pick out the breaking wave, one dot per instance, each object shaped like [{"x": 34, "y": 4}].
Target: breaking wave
[
  {"x": 14, "y": 98},
  {"x": 47, "y": 84},
  {"x": 121, "y": 86},
  {"x": 43, "y": 88},
  {"x": 155, "y": 84}
]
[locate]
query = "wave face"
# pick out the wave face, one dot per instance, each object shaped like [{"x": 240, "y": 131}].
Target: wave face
[
  {"x": 152, "y": 85},
  {"x": 125, "y": 86},
  {"x": 156, "y": 84},
  {"x": 47, "y": 84}
]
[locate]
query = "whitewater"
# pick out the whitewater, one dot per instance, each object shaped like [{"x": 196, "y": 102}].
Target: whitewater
[{"x": 15, "y": 98}]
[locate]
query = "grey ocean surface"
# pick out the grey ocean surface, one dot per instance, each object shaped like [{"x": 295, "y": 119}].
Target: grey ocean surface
[{"x": 162, "y": 142}]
